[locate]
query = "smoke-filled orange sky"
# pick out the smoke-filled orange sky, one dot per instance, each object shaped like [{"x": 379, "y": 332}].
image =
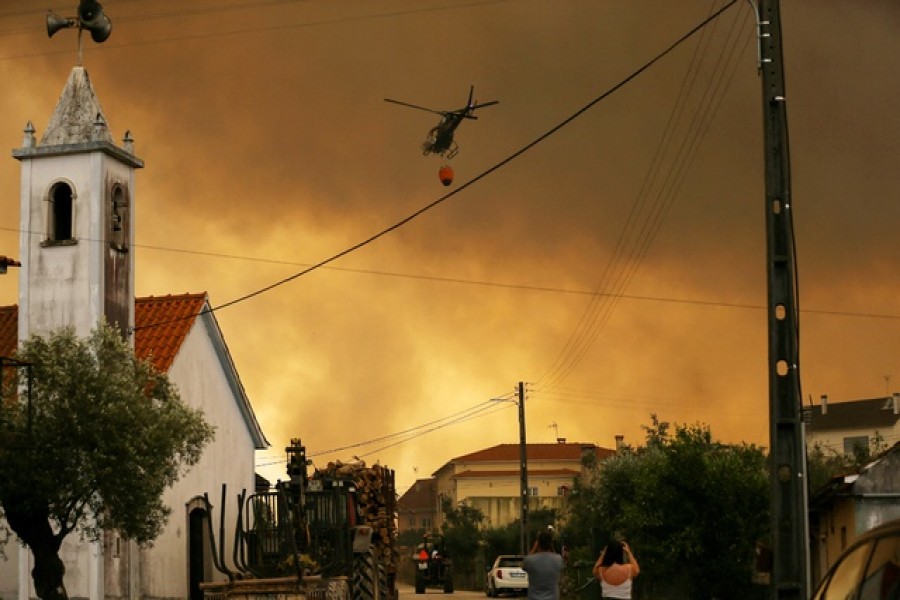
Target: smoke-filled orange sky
[{"x": 617, "y": 266}]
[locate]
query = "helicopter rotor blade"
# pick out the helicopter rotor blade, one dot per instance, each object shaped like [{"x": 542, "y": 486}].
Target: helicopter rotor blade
[
  {"x": 467, "y": 112},
  {"x": 407, "y": 104}
]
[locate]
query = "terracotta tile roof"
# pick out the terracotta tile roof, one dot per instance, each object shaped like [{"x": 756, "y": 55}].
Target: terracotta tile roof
[
  {"x": 515, "y": 473},
  {"x": 420, "y": 496},
  {"x": 172, "y": 318},
  {"x": 510, "y": 452}
]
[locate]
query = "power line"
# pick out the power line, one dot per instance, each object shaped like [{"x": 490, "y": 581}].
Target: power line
[
  {"x": 465, "y": 185},
  {"x": 483, "y": 413},
  {"x": 246, "y": 30},
  {"x": 483, "y": 409},
  {"x": 595, "y": 398},
  {"x": 650, "y": 208},
  {"x": 495, "y": 284},
  {"x": 456, "y": 417}
]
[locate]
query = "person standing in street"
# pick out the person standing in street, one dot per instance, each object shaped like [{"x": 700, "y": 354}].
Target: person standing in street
[
  {"x": 616, "y": 569},
  {"x": 544, "y": 567}
]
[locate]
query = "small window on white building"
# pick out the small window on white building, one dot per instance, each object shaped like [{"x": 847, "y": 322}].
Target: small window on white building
[{"x": 857, "y": 441}]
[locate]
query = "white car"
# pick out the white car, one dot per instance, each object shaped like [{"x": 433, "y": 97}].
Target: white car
[{"x": 506, "y": 577}]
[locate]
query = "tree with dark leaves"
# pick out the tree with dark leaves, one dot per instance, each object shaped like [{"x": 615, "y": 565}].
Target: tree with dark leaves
[
  {"x": 694, "y": 509},
  {"x": 92, "y": 448}
]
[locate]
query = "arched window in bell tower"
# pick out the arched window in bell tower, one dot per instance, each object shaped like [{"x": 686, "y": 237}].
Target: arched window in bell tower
[
  {"x": 118, "y": 219},
  {"x": 61, "y": 213}
]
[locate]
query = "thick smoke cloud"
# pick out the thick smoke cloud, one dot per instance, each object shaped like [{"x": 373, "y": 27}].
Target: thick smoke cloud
[{"x": 268, "y": 148}]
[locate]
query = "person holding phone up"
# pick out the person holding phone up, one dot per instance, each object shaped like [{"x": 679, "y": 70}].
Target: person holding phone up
[{"x": 616, "y": 569}]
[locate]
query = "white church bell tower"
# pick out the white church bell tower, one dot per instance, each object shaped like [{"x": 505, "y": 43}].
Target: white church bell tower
[{"x": 77, "y": 219}]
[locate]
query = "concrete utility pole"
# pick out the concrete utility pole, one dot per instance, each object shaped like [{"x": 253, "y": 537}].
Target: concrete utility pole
[
  {"x": 523, "y": 471},
  {"x": 790, "y": 565}
]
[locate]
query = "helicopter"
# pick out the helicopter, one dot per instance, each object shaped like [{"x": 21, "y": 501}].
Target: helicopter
[{"x": 440, "y": 137}]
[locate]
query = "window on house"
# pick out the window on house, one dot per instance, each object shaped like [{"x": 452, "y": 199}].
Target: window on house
[
  {"x": 532, "y": 491},
  {"x": 426, "y": 524},
  {"x": 62, "y": 209},
  {"x": 412, "y": 521},
  {"x": 562, "y": 490},
  {"x": 857, "y": 441}
]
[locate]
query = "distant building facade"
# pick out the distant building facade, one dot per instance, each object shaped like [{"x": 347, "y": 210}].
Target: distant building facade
[
  {"x": 417, "y": 507},
  {"x": 490, "y": 479},
  {"x": 841, "y": 426}
]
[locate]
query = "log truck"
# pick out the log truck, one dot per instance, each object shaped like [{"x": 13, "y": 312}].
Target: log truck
[{"x": 325, "y": 535}]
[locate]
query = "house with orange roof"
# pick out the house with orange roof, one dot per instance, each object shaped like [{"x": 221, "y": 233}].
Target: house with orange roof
[
  {"x": 416, "y": 508},
  {"x": 77, "y": 221},
  {"x": 490, "y": 479}
]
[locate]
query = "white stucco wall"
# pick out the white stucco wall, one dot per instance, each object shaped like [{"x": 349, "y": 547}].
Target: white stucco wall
[
  {"x": 228, "y": 459},
  {"x": 833, "y": 439},
  {"x": 63, "y": 285},
  {"x": 9, "y": 568}
]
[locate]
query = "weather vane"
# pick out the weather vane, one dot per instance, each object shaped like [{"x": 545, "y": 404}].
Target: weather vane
[{"x": 90, "y": 17}]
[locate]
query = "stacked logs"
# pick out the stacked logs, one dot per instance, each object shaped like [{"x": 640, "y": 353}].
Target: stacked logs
[{"x": 375, "y": 501}]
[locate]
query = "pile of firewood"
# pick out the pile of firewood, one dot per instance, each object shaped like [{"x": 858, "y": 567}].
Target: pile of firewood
[{"x": 375, "y": 496}]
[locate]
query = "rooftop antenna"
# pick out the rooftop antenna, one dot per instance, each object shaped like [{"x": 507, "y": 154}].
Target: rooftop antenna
[
  {"x": 555, "y": 428},
  {"x": 90, "y": 16}
]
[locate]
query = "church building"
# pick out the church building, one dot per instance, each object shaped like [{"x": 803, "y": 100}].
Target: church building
[{"x": 77, "y": 224}]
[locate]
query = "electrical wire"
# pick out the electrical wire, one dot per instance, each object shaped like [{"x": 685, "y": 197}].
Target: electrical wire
[
  {"x": 246, "y": 30},
  {"x": 484, "y": 413},
  {"x": 463, "y": 186},
  {"x": 493, "y": 284},
  {"x": 595, "y": 398},
  {"x": 650, "y": 208},
  {"x": 483, "y": 409},
  {"x": 455, "y": 417}
]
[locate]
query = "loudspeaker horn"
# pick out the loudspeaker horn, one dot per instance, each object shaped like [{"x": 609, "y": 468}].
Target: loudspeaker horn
[
  {"x": 56, "y": 22},
  {"x": 90, "y": 13}
]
